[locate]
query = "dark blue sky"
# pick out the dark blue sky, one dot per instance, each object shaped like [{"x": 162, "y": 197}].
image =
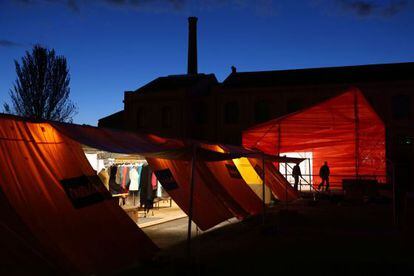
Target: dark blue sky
[{"x": 117, "y": 45}]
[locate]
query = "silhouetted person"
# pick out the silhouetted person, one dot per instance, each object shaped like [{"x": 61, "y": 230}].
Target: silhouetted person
[
  {"x": 296, "y": 173},
  {"x": 324, "y": 174}
]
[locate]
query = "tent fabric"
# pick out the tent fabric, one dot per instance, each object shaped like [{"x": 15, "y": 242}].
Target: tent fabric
[
  {"x": 174, "y": 175},
  {"x": 251, "y": 177},
  {"x": 239, "y": 200},
  {"x": 17, "y": 244},
  {"x": 65, "y": 212},
  {"x": 230, "y": 179},
  {"x": 61, "y": 215},
  {"x": 119, "y": 141},
  {"x": 344, "y": 131},
  {"x": 212, "y": 169},
  {"x": 216, "y": 184},
  {"x": 251, "y": 170},
  {"x": 148, "y": 145},
  {"x": 244, "y": 152},
  {"x": 277, "y": 183},
  {"x": 217, "y": 196},
  {"x": 217, "y": 187},
  {"x": 220, "y": 192}
]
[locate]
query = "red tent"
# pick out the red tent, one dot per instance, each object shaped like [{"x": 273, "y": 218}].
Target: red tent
[
  {"x": 56, "y": 215},
  {"x": 227, "y": 176},
  {"x": 344, "y": 131},
  {"x": 209, "y": 209},
  {"x": 215, "y": 198},
  {"x": 218, "y": 196}
]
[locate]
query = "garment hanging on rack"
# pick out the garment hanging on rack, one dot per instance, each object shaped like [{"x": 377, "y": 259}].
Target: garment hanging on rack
[
  {"x": 134, "y": 178},
  {"x": 146, "y": 192},
  {"x": 149, "y": 203},
  {"x": 143, "y": 185},
  {"x": 125, "y": 178},
  {"x": 113, "y": 186},
  {"x": 139, "y": 168},
  {"x": 118, "y": 175},
  {"x": 159, "y": 189},
  {"x": 153, "y": 181}
]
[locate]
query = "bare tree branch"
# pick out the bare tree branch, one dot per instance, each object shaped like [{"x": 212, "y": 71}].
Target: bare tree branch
[{"x": 41, "y": 90}]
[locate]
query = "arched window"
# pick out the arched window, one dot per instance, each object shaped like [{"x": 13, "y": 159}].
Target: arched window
[
  {"x": 140, "y": 117},
  {"x": 231, "y": 112},
  {"x": 401, "y": 106},
  {"x": 200, "y": 113},
  {"x": 166, "y": 117},
  {"x": 261, "y": 111}
]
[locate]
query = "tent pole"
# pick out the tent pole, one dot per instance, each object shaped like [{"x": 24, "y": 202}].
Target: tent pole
[
  {"x": 278, "y": 140},
  {"x": 356, "y": 116},
  {"x": 286, "y": 192},
  {"x": 264, "y": 187},
  {"x": 394, "y": 203},
  {"x": 190, "y": 208},
  {"x": 310, "y": 175}
]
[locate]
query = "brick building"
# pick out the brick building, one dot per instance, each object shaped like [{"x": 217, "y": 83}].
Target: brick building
[{"x": 198, "y": 106}]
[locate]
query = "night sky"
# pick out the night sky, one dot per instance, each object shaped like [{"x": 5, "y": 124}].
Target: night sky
[{"x": 117, "y": 45}]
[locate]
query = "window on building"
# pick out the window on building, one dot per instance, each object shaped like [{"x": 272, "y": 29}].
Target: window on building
[
  {"x": 401, "y": 107},
  {"x": 140, "y": 118},
  {"x": 261, "y": 111},
  {"x": 231, "y": 113},
  {"x": 405, "y": 140},
  {"x": 166, "y": 117},
  {"x": 293, "y": 105},
  {"x": 200, "y": 113}
]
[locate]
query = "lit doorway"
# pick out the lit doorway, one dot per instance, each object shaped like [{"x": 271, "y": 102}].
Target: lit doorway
[{"x": 306, "y": 180}]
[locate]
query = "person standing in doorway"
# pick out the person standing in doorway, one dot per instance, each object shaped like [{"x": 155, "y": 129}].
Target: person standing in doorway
[
  {"x": 296, "y": 173},
  {"x": 324, "y": 174}
]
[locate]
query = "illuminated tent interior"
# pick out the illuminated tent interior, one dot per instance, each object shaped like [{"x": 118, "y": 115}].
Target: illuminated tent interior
[
  {"x": 61, "y": 213},
  {"x": 345, "y": 131},
  {"x": 170, "y": 159},
  {"x": 227, "y": 195}
]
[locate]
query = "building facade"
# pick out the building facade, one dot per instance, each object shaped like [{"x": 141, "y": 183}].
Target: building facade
[{"x": 198, "y": 106}]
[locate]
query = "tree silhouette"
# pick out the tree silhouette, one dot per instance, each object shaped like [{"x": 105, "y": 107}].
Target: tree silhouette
[{"x": 41, "y": 90}]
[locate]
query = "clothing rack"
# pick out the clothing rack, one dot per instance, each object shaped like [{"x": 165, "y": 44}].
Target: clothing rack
[
  {"x": 130, "y": 161},
  {"x": 119, "y": 162}
]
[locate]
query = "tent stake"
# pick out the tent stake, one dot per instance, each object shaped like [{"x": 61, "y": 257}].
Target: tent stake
[{"x": 190, "y": 208}]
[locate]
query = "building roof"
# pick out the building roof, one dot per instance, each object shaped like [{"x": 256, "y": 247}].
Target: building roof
[
  {"x": 119, "y": 113},
  {"x": 325, "y": 75},
  {"x": 173, "y": 82},
  {"x": 114, "y": 120}
]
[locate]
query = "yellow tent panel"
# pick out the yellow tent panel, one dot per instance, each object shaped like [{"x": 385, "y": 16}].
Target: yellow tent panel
[{"x": 251, "y": 177}]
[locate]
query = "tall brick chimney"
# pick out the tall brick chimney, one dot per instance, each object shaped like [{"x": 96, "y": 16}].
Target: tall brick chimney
[{"x": 192, "y": 46}]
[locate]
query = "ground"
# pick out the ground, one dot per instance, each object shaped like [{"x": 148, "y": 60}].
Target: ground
[{"x": 327, "y": 237}]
